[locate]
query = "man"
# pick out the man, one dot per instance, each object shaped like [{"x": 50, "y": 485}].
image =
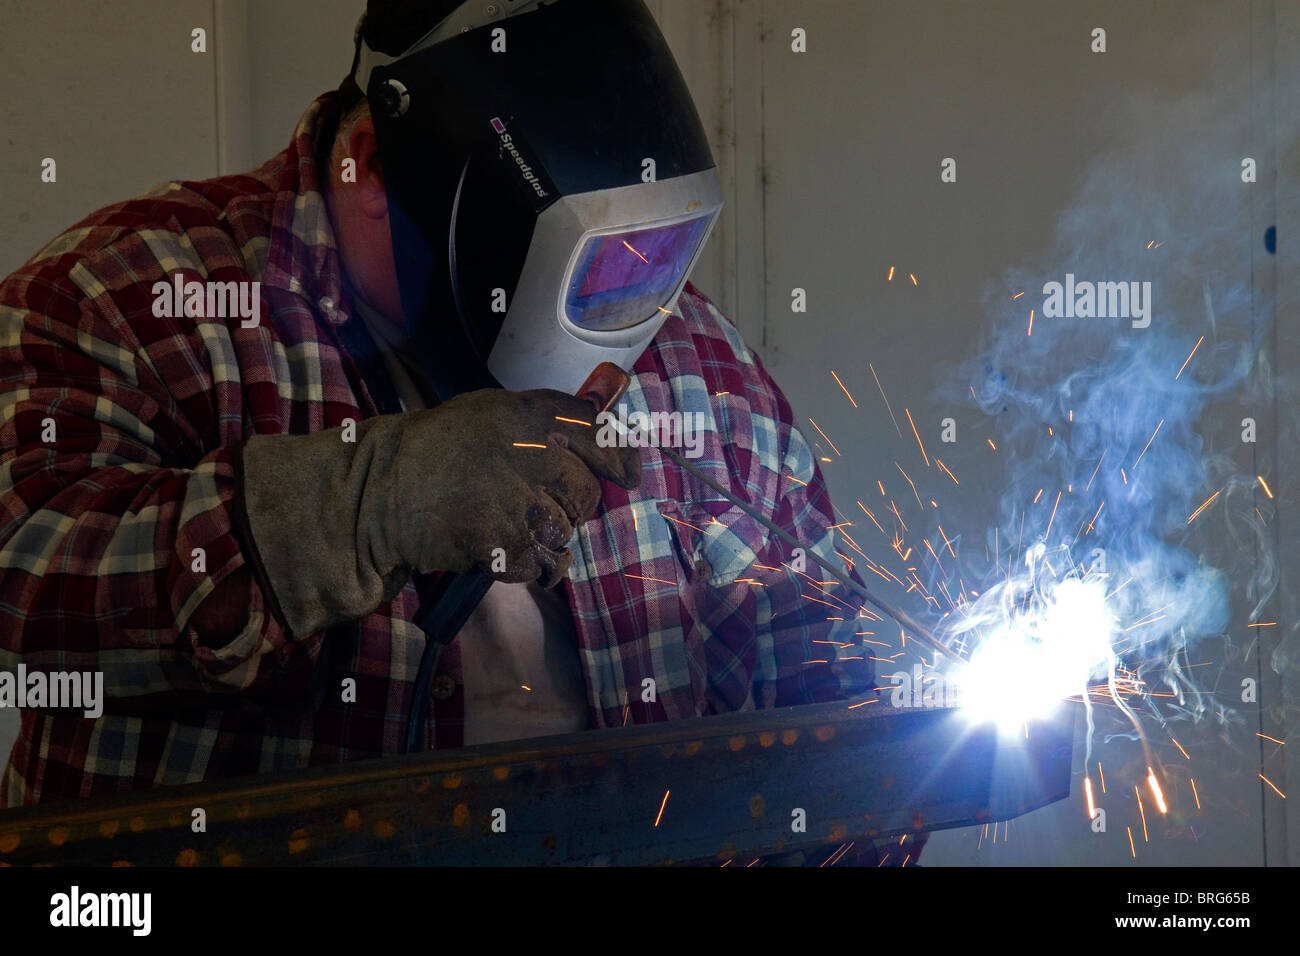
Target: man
[{"x": 234, "y": 514}]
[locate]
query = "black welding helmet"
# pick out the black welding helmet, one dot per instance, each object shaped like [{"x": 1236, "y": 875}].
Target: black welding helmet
[{"x": 549, "y": 188}]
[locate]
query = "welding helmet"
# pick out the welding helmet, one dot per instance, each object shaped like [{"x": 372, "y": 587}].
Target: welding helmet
[{"x": 549, "y": 184}]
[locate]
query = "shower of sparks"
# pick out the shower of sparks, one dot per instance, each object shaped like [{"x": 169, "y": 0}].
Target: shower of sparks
[
  {"x": 1156, "y": 792},
  {"x": 841, "y": 385},
  {"x": 1189, "y": 357},
  {"x": 661, "y": 807}
]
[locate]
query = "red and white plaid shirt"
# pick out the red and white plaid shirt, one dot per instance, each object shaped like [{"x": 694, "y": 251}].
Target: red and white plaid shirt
[{"x": 98, "y": 528}]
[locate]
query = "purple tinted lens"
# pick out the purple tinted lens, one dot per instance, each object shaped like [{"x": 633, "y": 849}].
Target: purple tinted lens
[{"x": 622, "y": 278}]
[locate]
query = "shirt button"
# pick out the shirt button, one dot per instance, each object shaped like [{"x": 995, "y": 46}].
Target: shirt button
[{"x": 443, "y": 687}]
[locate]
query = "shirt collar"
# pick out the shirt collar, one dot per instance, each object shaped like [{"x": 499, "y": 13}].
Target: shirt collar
[{"x": 303, "y": 256}]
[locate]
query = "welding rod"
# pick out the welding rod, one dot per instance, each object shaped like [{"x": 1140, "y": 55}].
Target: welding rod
[{"x": 901, "y": 616}]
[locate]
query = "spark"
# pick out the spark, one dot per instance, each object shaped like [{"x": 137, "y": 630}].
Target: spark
[
  {"x": 1268, "y": 491},
  {"x": 661, "y": 807},
  {"x": 918, "y": 438},
  {"x": 635, "y": 253},
  {"x": 800, "y": 480},
  {"x": 1094, "y": 517},
  {"x": 1180, "y": 748},
  {"x": 991, "y": 445},
  {"x": 1274, "y": 739},
  {"x": 1195, "y": 795},
  {"x": 1264, "y": 624},
  {"x": 870, "y": 515},
  {"x": 656, "y": 580},
  {"x": 823, "y": 434},
  {"x": 720, "y": 394},
  {"x": 1154, "y": 784},
  {"x": 1031, "y": 323},
  {"x": 864, "y": 702},
  {"x": 947, "y": 472},
  {"x": 945, "y": 540},
  {"x": 1017, "y": 295},
  {"x": 1270, "y": 783},
  {"x": 1131, "y": 848},
  {"x": 1037, "y": 496},
  {"x": 1124, "y": 476},
  {"x": 526, "y": 445},
  {"x": 841, "y": 385},
  {"x": 572, "y": 421},
  {"x": 1053, "y": 517},
  {"x": 889, "y": 407},
  {"x": 1098, "y": 468},
  {"x": 912, "y": 277},
  {"x": 1102, "y": 774},
  {"x": 1189, "y": 356},
  {"x": 890, "y": 277},
  {"x": 1148, "y": 444},
  {"x": 525, "y": 687},
  {"x": 1142, "y": 810},
  {"x": 910, "y": 482},
  {"x": 1207, "y": 503},
  {"x": 1087, "y": 790},
  {"x": 665, "y": 311}
]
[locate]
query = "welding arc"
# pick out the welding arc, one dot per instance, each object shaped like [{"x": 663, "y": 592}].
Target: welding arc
[{"x": 901, "y": 616}]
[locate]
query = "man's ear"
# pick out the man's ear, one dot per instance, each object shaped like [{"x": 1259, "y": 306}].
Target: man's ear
[{"x": 364, "y": 148}]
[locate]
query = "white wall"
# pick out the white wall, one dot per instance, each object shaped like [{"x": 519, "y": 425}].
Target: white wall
[{"x": 830, "y": 160}]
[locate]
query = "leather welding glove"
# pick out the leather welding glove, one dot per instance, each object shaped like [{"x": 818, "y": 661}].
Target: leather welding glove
[{"x": 340, "y": 524}]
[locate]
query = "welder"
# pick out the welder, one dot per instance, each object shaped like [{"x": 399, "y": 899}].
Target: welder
[{"x": 247, "y": 524}]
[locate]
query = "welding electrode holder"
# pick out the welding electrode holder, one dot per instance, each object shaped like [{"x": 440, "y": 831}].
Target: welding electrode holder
[{"x": 448, "y": 601}]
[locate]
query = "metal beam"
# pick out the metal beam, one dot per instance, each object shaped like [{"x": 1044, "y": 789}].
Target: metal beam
[{"x": 702, "y": 790}]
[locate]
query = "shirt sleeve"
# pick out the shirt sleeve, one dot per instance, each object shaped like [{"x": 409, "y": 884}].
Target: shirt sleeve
[
  {"x": 811, "y": 628},
  {"x": 116, "y": 503}
]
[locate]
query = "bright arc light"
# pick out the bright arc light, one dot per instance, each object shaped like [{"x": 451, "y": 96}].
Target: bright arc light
[{"x": 1034, "y": 658}]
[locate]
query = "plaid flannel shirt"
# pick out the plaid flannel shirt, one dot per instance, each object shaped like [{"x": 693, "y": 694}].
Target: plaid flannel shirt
[{"x": 99, "y": 527}]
